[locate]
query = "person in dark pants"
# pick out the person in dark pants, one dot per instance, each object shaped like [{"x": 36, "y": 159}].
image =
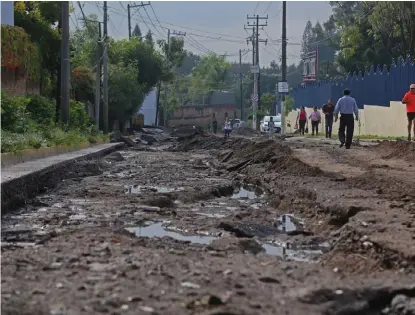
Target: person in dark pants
[
  {"x": 315, "y": 118},
  {"x": 215, "y": 125},
  {"x": 302, "y": 120},
  {"x": 346, "y": 106},
  {"x": 328, "y": 110}
]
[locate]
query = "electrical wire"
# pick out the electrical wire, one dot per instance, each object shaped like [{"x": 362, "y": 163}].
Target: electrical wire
[
  {"x": 155, "y": 15},
  {"x": 189, "y": 28},
  {"x": 256, "y": 7},
  {"x": 152, "y": 23}
]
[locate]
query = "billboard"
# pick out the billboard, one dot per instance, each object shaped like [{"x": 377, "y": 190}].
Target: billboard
[{"x": 310, "y": 66}]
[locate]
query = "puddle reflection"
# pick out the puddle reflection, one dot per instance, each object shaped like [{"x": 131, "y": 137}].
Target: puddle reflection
[
  {"x": 156, "y": 229},
  {"x": 247, "y": 192}
]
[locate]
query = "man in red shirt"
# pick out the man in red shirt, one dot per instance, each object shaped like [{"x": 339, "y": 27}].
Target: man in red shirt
[{"x": 409, "y": 100}]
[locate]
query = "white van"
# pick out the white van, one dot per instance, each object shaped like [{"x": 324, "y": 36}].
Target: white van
[{"x": 277, "y": 123}]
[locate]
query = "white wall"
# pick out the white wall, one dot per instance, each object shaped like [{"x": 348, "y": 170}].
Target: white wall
[
  {"x": 149, "y": 108},
  {"x": 374, "y": 120}
]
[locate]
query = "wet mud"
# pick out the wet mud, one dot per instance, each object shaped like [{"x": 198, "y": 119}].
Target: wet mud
[{"x": 195, "y": 224}]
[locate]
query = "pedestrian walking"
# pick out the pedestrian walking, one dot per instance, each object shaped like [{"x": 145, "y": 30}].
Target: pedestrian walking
[
  {"x": 346, "y": 106},
  {"x": 227, "y": 128},
  {"x": 215, "y": 125},
  {"x": 409, "y": 100},
  {"x": 301, "y": 120},
  {"x": 328, "y": 110},
  {"x": 315, "y": 119},
  {"x": 271, "y": 127}
]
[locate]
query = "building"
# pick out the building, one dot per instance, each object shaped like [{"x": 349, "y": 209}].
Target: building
[{"x": 219, "y": 105}]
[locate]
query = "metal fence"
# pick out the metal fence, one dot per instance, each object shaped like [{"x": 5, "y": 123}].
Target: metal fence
[{"x": 375, "y": 87}]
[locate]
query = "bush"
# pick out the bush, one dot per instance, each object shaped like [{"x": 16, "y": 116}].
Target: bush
[
  {"x": 41, "y": 109},
  {"x": 78, "y": 117},
  {"x": 14, "y": 116},
  {"x": 28, "y": 122}
]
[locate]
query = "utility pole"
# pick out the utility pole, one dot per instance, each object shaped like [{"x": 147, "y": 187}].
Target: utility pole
[
  {"x": 105, "y": 85},
  {"x": 129, "y": 7},
  {"x": 162, "y": 112},
  {"x": 240, "y": 82},
  {"x": 65, "y": 64},
  {"x": 98, "y": 78},
  {"x": 284, "y": 62},
  {"x": 257, "y": 41}
]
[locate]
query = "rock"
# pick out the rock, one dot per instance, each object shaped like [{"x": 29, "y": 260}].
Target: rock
[
  {"x": 146, "y": 309},
  {"x": 267, "y": 279},
  {"x": 149, "y": 139},
  {"x": 190, "y": 285}
]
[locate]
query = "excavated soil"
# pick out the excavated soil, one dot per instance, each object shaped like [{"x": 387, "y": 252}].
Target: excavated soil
[{"x": 213, "y": 226}]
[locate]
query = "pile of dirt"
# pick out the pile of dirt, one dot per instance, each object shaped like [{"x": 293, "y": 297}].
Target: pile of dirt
[
  {"x": 246, "y": 131},
  {"x": 183, "y": 132},
  {"x": 209, "y": 143},
  {"x": 399, "y": 149}
]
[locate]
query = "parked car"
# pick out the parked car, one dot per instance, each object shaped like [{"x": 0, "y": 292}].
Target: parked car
[
  {"x": 238, "y": 123},
  {"x": 277, "y": 123}
]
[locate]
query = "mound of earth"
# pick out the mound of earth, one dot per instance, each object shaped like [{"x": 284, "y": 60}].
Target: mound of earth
[
  {"x": 399, "y": 149},
  {"x": 245, "y": 131}
]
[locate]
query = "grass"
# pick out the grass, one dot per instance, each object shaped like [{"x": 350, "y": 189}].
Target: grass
[{"x": 15, "y": 142}]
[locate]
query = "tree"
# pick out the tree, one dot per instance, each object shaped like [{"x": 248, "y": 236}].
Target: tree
[
  {"x": 307, "y": 36},
  {"x": 136, "y": 32},
  {"x": 267, "y": 101},
  {"x": 175, "y": 52},
  {"x": 149, "y": 38},
  {"x": 209, "y": 74},
  {"x": 125, "y": 96},
  {"x": 38, "y": 19}
]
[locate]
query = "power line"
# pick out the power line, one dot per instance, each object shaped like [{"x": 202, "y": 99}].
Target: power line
[
  {"x": 155, "y": 15},
  {"x": 266, "y": 10},
  {"x": 189, "y": 28},
  {"x": 256, "y": 7},
  {"x": 152, "y": 23}
]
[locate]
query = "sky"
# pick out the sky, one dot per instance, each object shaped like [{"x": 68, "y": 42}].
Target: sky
[{"x": 216, "y": 26}]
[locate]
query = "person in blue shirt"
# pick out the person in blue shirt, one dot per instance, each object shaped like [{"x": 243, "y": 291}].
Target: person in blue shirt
[{"x": 346, "y": 106}]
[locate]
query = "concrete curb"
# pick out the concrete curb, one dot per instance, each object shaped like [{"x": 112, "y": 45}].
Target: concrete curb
[
  {"x": 23, "y": 185},
  {"x": 13, "y": 158}
]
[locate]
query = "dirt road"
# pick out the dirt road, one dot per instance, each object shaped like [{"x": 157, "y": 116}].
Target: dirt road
[{"x": 207, "y": 226}]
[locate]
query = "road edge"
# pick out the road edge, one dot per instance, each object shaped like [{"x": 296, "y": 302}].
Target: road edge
[{"x": 15, "y": 192}]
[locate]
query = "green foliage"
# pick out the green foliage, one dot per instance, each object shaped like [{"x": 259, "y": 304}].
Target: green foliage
[
  {"x": 267, "y": 100},
  {"x": 78, "y": 117},
  {"x": 18, "y": 52},
  {"x": 41, "y": 109},
  {"x": 371, "y": 32},
  {"x": 38, "y": 19},
  {"x": 125, "y": 95},
  {"x": 289, "y": 104},
  {"x": 136, "y": 32},
  {"x": 27, "y": 122},
  {"x": 14, "y": 115}
]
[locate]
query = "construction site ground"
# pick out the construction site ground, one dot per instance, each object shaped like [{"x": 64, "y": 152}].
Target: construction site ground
[{"x": 196, "y": 224}]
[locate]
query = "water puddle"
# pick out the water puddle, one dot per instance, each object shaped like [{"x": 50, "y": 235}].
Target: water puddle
[
  {"x": 247, "y": 192},
  {"x": 289, "y": 223},
  {"x": 303, "y": 253},
  {"x": 156, "y": 229},
  {"x": 136, "y": 189}
]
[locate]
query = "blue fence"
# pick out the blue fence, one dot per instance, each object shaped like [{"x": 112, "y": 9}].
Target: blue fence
[{"x": 376, "y": 87}]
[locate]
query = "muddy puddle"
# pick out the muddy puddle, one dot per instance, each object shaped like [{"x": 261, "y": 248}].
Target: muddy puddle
[
  {"x": 137, "y": 189},
  {"x": 284, "y": 250},
  {"x": 304, "y": 253},
  {"x": 287, "y": 223},
  {"x": 247, "y": 192},
  {"x": 156, "y": 229}
]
